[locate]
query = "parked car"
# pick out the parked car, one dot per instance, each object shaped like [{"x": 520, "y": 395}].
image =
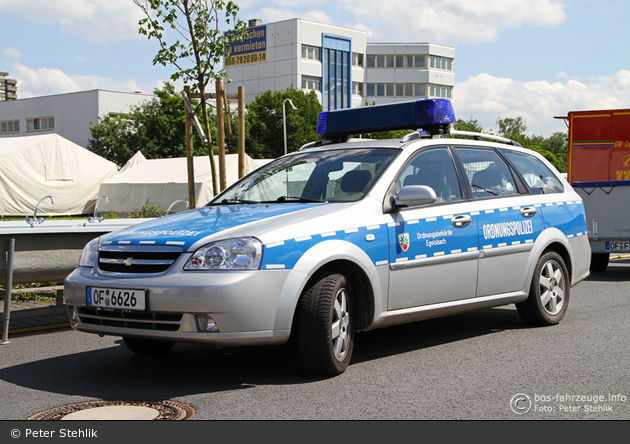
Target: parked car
[{"x": 342, "y": 236}]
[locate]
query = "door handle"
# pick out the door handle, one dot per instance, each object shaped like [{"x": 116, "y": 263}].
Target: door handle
[
  {"x": 528, "y": 212},
  {"x": 461, "y": 221}
]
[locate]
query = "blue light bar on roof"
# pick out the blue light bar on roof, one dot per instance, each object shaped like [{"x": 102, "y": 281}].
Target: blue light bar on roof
[{"x": 433, "y": 115}]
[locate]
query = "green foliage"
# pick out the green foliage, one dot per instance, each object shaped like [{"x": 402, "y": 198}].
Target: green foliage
[
  {"x": 471, "y": 124},
  {"x": 202, "y": 45},
  {"x": 512, "y": 128},
  {"x": 386, "y": 135},
  {"x": 29, "y": 296},
  {"x": 147, "y": 209},
  {"x": 553, "y": 148},
  {"x": 265, "y": 125},
  {"x": 156, "y": 128},
  {"x": 551, "y": 157}
]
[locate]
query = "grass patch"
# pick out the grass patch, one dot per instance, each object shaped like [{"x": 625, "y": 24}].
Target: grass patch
[{"x": 28, "y": 296}]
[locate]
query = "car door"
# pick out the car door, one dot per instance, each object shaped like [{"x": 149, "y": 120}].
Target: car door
[
  {"x": 509, "y": 221},
  {"x": 432, "y": 248}
]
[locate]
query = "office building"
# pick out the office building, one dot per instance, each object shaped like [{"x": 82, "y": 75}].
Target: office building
[
  {"x": 8, "y": 88},
  {"x": 338, "y": 64}
]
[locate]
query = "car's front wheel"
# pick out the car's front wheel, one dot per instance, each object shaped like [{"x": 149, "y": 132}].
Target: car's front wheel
[
  {"x": 549, "y": 292},
  {"x": 325, "y": 324},
  {"x": 142, "y": 346}
]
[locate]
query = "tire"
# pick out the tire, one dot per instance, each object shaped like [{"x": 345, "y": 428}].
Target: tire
[
  {"x": 548, "y": 298},
  {"x": 325, "y": 325},
  {"x": 146, "y": 347},
  {"x": 599, "y": 261}
]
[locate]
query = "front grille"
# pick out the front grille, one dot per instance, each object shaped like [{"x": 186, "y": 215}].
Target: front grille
[
  {"x": 140, "y": 321},
  {"x": 137, "y": 259}
]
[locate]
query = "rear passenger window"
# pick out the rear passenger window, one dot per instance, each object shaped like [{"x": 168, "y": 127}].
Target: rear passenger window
[
  {"x": 539, "y": 178},
  {"x": 433, "y": 168},
  {"x": 487, "y": 173}
]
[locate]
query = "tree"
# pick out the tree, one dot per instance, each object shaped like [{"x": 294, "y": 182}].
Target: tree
[
  {"x": 557, "y": 143},
  {"x": 265, "y": 126},
  {"x": 471, "y": 125},
  {"x": 513, "y": 128},
  {"x": 156, "y": 128},
  {"x": 202, "y": 48}
]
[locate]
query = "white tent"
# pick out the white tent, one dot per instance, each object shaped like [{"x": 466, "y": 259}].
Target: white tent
[
  {"x": 163, "y": 181},
  {"x": 135, "y": 160},
  {"x": 32, "y": 167}
]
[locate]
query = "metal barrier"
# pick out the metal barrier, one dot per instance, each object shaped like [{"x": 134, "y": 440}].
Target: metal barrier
[
  {"x": 7, "y": 292},
  {"x": 58, "y": 308}
]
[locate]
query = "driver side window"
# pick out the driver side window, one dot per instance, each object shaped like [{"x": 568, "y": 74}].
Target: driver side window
[{"x": 433, "y": 168}]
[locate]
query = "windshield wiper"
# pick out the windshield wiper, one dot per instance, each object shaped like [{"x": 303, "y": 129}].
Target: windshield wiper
[
  {"x": 283, "y": 199},
  {"x": 234, "y": 202}
]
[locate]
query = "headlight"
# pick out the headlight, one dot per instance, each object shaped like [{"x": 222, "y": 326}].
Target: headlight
[
  {"x": 89, "y": 254},
  {"x": 232, "y": 254}
]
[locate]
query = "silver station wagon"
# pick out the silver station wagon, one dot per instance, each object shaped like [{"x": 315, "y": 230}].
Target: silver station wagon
[{"x": 342, "y": 236}]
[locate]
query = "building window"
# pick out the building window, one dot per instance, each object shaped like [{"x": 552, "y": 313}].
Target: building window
[
  {"x": 442, "y": 63},
  {"x": 357, "y": 89},
  {"x": 443, "y": 91},
  {"x": 311, "y": 83},
  {"x": 10, "y": 127},
  {"x": 40, "y": 124},
  {"x": 311, "y": 52},
  {"x": 357, "y": 59},
  {"x": 396, "y": 89},
  {"x": 403, "y": 61}
]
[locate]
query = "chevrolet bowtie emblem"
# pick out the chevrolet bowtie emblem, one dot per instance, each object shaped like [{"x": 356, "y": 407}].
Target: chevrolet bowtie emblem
[{"x": 129, "y": 261}]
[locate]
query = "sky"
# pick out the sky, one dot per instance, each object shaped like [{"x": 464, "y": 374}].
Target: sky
[{"x": 532, "y": 58}]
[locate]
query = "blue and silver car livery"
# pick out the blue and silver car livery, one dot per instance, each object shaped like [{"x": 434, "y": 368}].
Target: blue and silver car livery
[{"x": 342, "y": 236}]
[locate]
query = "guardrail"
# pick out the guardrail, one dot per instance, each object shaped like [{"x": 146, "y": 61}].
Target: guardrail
[{"x": 58, "y": 308}]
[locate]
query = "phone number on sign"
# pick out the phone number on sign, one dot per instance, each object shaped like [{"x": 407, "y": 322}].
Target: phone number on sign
[{"x": 247, "y": 58}]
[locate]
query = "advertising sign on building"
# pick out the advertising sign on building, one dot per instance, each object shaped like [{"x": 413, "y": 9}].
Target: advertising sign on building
[{"x": 252, "y": 48}]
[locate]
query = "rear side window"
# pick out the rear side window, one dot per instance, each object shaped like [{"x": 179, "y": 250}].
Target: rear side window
[
  {"x": 539, "y": 178},
  {"x": 487, "y": 173}
]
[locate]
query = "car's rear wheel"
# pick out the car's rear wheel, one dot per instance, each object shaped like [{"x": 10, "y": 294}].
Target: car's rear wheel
[
  {"x": 325, "y": 324},
  {"x": 549, "y": 292},
  {"x": 142, "y": 346}
]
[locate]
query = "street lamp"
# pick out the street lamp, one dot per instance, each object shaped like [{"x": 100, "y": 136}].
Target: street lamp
[{"x": 284, "y": 119}]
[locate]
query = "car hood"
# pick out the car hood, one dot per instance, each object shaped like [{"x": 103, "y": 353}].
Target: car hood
[{"x": 187, "y": 228}]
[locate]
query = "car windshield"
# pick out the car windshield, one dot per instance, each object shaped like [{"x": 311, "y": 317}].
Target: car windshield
[{"x": 316, "y": 176}]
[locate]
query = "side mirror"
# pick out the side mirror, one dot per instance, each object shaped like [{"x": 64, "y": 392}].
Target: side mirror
[{"x": 415, "y": 195}]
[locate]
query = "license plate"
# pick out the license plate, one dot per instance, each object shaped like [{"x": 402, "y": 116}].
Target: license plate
[
  {"x": 618, "y": 246},
  {"x": 114, "y": 298}
]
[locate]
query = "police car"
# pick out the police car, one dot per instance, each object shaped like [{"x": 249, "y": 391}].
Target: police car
[{"x": 344, "y": 235}]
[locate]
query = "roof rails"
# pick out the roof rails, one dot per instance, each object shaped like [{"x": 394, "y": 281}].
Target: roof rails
[{"x": 481, "y": 136}]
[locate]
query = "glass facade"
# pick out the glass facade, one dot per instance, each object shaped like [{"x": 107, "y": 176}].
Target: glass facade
[{"x": 336, "y": 72}]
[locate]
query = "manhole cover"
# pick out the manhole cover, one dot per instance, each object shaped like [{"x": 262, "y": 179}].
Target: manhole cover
[{"x": 119, "y": 410}]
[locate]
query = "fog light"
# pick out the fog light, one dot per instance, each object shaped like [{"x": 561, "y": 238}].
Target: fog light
[{"x": 206, "y": 324}]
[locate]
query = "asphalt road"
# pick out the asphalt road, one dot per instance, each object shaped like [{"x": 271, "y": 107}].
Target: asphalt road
[{"x": 468, "y": 366}]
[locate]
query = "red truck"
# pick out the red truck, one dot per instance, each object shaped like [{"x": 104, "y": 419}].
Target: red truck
[{"x": 599, "y": 170}]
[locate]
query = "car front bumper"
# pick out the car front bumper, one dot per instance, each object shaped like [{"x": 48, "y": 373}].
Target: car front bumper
[{"x": 248, "y": 307}]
